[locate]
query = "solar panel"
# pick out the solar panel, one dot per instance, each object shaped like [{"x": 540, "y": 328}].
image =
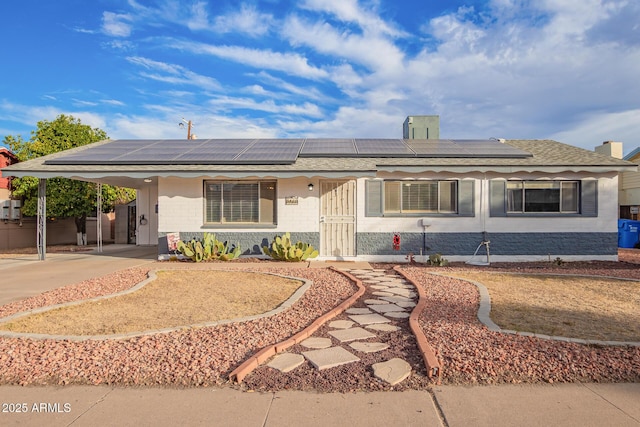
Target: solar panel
[
  {"x": 216, "y": 150},
  {"x": 383, "y": 147},
  {"x": 277, "y": 151},
  {"x": 271, "y": 151},
  {"x": 324, "y": 147}
]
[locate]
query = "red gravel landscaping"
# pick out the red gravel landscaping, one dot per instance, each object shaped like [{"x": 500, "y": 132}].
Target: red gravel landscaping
[{"x": 204, "y": 357}]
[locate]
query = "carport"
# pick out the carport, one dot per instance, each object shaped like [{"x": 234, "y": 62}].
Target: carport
[{"x": 143, "y": 181}]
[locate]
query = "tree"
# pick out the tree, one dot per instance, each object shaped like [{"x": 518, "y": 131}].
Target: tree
[{"x": 66, "y": 198}]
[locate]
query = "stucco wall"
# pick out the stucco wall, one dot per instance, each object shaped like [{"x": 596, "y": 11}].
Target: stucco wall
[{"x": 181, "y": 205}]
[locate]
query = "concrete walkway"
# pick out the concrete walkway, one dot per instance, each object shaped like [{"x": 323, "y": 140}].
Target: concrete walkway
[
  {"x": 540, "y": 405},
  {"x": 552, "y": 405}
]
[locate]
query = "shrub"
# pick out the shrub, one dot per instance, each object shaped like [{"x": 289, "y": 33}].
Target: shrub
[{"x": 437, "y": 260}]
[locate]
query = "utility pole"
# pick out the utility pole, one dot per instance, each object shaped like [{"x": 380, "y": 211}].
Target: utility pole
[{"x": 189, "y": 125}]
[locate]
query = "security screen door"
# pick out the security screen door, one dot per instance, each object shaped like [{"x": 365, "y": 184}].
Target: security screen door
[{"x": 337, "y": 218}]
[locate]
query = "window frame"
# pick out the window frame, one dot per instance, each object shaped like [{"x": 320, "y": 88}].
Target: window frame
[
  {"x": 403, "y": 210},
  {"x": 257, "y": 201},
  {"x": 577, "y": 195}
]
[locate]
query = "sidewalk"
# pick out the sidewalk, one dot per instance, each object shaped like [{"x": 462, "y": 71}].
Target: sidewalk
[
  {"x": 550, "y": 405},
  {"x": 528, "y": 405}
]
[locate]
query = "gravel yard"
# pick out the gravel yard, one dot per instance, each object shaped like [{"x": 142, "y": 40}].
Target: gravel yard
[{"x": 205, "y": 356}]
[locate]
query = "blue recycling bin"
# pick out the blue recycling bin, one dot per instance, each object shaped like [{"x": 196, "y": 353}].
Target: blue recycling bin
[{"x": 628, "y": 233}]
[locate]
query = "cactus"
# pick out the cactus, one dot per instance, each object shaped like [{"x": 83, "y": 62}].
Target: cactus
[
  {"x": 437, "y": 260},
  {"x": 209, "y": 248},
  {"x": 282, "y": 249}
]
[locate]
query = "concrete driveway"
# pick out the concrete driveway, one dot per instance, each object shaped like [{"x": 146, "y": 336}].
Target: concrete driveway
[{"x": 26, "y": 276}]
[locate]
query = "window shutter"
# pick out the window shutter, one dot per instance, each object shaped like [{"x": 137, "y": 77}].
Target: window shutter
[
  {"x": 373, "y": 194},
  {"x": 466, "y": 197},
  {"x": 497, "y": 203},
  {"x": 589, "y": 197}
]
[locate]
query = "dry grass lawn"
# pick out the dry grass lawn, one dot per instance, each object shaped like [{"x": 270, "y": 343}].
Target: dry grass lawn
[
  {"x": 572, "y": 306},
  {"x": 174, "y": 299}
]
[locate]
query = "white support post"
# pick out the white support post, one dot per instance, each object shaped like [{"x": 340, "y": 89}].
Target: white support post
[
  {"x": 99, "y": 218},
  {"x": 42, "y": 219}
]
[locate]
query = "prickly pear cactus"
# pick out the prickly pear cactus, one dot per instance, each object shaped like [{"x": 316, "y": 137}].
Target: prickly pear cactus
[
  {"x": 282, "y": 249},
  {"x": 209, "y": 248}
]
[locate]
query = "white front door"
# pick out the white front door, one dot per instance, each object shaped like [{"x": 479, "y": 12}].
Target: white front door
[{"x": 337, "y": 218}]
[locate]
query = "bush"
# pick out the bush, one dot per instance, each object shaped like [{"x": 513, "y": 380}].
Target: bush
[{"x": 437, "y": 260}]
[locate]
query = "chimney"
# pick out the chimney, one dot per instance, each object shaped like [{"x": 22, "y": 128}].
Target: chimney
[{"x": 610, "y": 148}]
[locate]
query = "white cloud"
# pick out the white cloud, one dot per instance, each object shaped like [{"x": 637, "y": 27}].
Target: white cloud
[
  {"x": 116, "y": 25},
  {"x": 290, "y": 63},
  {"x": 352, "y": 11},
  {"x": 376, "y": 53},
  {"x": 173, "y": 74},
  {"x": 270, "y": 106},
  {"x": 596, "y": 128},
  {"x": 248, "y": 20}
]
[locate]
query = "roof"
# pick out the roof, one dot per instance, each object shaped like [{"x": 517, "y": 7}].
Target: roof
[
  {"x": 525, "y": 156},
  {"x": 7, "y": 153},
  {"x": 631, "y": 156}
]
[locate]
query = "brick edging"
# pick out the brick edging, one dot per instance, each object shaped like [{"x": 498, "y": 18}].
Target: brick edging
[
  {"x": 246, "y": 367},
  {"x": 429, "y": 355}
]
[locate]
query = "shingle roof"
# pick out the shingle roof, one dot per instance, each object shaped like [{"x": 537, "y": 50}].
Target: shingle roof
[{"x": 546, "y": 155}]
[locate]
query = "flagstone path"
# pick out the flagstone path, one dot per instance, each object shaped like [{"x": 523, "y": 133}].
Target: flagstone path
[{"x": 395, "y": 298}]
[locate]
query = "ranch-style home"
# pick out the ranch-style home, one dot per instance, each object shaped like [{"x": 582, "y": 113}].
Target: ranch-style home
[{"x": 366, "y": 199}]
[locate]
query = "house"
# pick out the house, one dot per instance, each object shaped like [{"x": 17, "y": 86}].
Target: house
[
  {"x": 355, "y": 198},
  {"x": 628, "y": 181},
  {"x": 6, "y": 158}
]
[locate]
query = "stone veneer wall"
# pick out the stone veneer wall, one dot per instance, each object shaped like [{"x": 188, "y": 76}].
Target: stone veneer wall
[
  {"x": 450, "y": 244},
  {"x": 501, "y": 243},
  {"x": 250, "y": 242}
]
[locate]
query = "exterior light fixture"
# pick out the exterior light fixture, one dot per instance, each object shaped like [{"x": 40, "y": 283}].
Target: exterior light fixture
[
  {"x": 310, "y": 187},
  {"x": 147, "y": 180}
]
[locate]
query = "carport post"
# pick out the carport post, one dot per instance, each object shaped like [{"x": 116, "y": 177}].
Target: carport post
[
  {"x": 42, "y": 219},
  {"x": 99, "y": 215}
]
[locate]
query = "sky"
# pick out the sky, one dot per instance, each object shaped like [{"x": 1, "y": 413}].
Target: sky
[{"x": 567, "y": 70}]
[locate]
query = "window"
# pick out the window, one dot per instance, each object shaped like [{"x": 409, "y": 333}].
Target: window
[
  {"x": 407, "y": 197},
  {"x": 542, "y": 196},
  {"x": 240, "y": 202}
]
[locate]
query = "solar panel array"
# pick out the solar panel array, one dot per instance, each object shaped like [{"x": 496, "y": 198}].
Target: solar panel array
[{"x": 277, "y": 151}]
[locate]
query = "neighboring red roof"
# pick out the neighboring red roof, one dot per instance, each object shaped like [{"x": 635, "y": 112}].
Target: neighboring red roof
[{"x": 6, "y": 158}]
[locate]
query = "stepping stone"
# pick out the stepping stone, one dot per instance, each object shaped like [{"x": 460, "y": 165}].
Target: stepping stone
[
  {"x": 358, "y": 311},
  {"x": 368, "y": 319},
  {"x": 393, "y": 371},
  {"x": 383, "y": 327},
  {"x": 374, "y": 301},
  {"x": 382, "y": 294},
  {"x": 369, "y": 347},
  {"x": 286, "y": 362},
  {"x": 316, "y": 342},
  {"x": 330, "y": 357},
  {"x": 388, "y": 279},
  {"x": 406, "y": 304},
  {"x": 396, "y": 298},
  {"x": 341, "y": 324},
  {"x": 386, "y": 308},
  {"x": 402, "y": 292},
  {"x": 379, "y": 287},
  {"x": 356, "y": 272},
  {"x": 351, "y": 334},
  {"x": 398, "y": 315}
]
